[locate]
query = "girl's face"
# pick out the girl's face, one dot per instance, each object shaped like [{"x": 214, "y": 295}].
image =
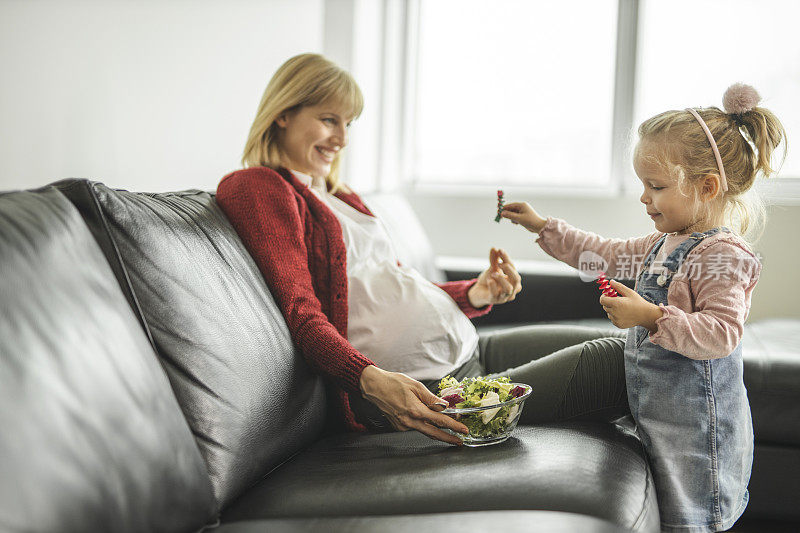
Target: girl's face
[
  {"x": 311, "y": 137},
  {"x": 671, "y": 210}
]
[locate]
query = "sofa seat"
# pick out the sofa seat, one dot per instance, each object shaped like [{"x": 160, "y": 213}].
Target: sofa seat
[
  {"x": 588, "y": 468},
  {"x": 528, "y": 521}
]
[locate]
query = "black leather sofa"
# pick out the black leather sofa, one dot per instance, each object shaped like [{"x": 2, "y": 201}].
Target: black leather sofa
[{"x": 149, "y": 383}]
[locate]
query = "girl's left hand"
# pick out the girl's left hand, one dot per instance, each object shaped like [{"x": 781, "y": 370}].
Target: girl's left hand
[
  {"x": 498, "y": 284},
  {"x": 630, "y": 309}
]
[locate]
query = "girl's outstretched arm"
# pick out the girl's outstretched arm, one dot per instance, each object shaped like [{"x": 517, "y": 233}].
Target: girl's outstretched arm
[
  {"x": 592, "y": 253},
  {"x": 588, "y": 252}
]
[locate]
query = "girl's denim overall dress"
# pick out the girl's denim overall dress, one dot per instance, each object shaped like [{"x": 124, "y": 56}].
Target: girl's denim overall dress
[{"x": 693, "y": 416}]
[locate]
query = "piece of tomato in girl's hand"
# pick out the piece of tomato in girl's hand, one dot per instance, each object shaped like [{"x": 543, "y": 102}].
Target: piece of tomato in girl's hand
[{"x": 605, "y": 286}]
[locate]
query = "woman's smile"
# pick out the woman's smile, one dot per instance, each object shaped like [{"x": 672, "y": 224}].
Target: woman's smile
[
  {"x": 312, "y": 138},
  {"x": 327, "y": 154}
]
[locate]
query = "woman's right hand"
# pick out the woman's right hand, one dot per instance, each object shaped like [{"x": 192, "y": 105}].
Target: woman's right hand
[
  {"x": 408, "y": 404},
  {"x": 523, "y": 214}
]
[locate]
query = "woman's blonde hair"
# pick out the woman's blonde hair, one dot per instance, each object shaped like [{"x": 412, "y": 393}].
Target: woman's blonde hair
[
  {"x": 303, "y": 80},
  {"x": 746, "y": 143}
]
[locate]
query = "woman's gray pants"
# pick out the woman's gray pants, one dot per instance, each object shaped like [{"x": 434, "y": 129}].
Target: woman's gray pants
[{"x": 576, "y": 372}]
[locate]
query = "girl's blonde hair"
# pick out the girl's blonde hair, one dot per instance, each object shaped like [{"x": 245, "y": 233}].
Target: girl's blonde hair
[
  {"x": 746, "y": 143},
  {"x": 303, "y": 80}
]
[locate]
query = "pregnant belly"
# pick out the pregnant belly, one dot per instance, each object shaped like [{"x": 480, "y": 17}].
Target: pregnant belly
[{"x": 406, "y": 324}]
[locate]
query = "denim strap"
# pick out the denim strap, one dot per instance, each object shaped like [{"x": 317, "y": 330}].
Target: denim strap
[{"x": 678, "y": 255}]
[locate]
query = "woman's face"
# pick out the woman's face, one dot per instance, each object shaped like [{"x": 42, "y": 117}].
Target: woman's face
[{"x": 311, "y": 137}]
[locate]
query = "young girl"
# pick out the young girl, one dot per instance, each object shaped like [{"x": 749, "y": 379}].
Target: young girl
[{"x": 683, "y": 354}]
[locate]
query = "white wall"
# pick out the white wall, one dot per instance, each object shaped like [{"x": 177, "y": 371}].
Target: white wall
[{"x": 146, "y": 95}]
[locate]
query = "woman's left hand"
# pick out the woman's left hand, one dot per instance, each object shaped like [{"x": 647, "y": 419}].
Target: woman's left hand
[
  {"x": 630, "y": 309},
  {"x": 498, "y": 284}
]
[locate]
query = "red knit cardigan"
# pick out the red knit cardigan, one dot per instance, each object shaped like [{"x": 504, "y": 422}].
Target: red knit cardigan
[{"x": 297, "y": 243}]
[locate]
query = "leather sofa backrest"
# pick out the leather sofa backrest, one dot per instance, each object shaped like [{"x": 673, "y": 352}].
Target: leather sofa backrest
[
  {"x": 247, "y": 394},
  {"x": 411, "y": 243},
  {"x": 92, "y": 436}
]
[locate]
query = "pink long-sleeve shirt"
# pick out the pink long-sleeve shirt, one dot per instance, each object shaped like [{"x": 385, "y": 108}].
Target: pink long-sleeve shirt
[{"x": 708, "y": 299}]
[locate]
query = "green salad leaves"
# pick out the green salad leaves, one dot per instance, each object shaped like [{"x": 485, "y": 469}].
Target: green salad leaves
[{"x": 483, "y": 392}]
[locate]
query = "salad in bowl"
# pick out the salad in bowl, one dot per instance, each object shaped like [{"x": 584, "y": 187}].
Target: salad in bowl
[{"x": 489, "y": 407}]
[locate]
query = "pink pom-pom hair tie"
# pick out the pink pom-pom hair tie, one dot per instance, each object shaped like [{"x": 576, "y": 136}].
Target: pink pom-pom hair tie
[{"x": 740, "y": 98}]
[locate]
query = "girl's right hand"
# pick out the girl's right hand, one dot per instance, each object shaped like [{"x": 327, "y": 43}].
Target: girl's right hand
[
  {"x": 408, "y": 404},
  {"x": 523, "y": 214}
]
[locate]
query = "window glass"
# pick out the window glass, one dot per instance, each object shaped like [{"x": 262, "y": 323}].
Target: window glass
[{"x": 515, "y": 92}]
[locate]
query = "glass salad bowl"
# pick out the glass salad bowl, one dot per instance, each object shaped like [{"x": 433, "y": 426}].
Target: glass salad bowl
[{"x": 489, "y": 420}]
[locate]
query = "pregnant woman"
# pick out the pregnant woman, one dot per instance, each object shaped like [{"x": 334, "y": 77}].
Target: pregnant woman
[{"x": 380, "y": 333}]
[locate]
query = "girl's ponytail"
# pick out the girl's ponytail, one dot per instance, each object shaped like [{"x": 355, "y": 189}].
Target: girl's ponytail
[
  {"x": 763, "y": 129},
  {"x": 753, "y": 138}
]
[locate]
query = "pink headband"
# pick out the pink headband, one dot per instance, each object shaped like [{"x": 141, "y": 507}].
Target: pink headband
[{"x": 722, "y": 179}]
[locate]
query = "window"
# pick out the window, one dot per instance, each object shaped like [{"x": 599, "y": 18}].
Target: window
[
  {"x": 522, "y": 93},
  {"x": 514, "y": 92}
]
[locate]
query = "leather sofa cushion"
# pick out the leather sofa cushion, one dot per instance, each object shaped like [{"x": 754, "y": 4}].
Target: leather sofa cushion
[
  {"x": 92, "y": 436},
  {"x": 592, "y": 469},
  {"x": 248, "y": 396},
  {"x": 771, "y": 351},
  {"x": 493, "y": 521}
]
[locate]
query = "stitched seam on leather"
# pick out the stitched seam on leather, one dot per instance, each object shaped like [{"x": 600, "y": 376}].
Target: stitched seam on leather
[
  {"x": 136, "y": 307},
  {"x": 210, "y": 525},
  {"x": 277, "y": 466},
  {"x": 90, "y": 186},
  {"x": 265, "y": 476}
]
